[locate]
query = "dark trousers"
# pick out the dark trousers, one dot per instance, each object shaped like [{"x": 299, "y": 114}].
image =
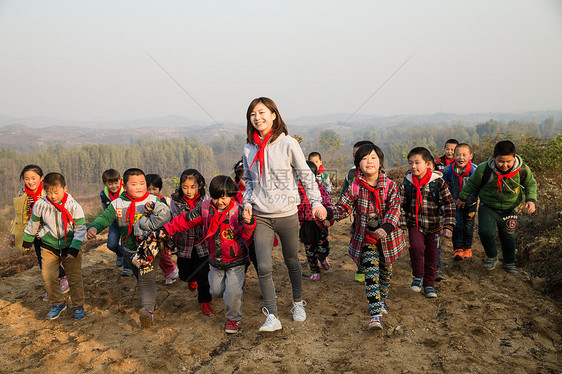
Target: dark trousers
[
  {"x": 423, "y": 255},
  {"x": 464, "y": 228},
  {"x": 506, "y": 223},
  {"x": 196, "y": 269}
]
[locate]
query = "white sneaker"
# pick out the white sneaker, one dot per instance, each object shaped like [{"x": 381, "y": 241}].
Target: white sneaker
[
  {"x": 299, "y": 314},
  {"x": 272, "y": 323}
]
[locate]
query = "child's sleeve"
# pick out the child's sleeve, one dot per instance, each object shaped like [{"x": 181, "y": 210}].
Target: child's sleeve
[
  {"x": 403, "y": 203},
  {"x": 184, "y": 222},
  {"x": 158, "y": 218},
  {"x": 105, "y": 219},
  {"x": 448, "y": 206},
  {"x": 247, "y": 179},
  {"x": 342, "y": 208},
  {"x": 530, "y": 185},
  {"x": 472, "y": 185},
  {"x": 248, "y": 230},
  {"x": 391, "y": 219},
  {"x": 32, "y": 226},
  {"x": 80, "y": 230}
]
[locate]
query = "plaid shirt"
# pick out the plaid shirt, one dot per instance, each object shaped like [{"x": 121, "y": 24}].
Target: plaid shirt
[
  {"x": 186, "y": 240},
  {"x": 429, "y": 216},
  {"x": 361, "y": 205}
]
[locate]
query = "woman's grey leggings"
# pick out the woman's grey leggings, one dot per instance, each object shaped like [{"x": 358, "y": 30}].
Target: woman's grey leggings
[{"x": 287, "y": 228}]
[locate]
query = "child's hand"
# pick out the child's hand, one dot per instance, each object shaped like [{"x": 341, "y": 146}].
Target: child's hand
[
  {"x": 380, "y": 233},
  {"x": 12, "y": 241},
  {"x": 69, "y": 256},
  {"x": 319, "y": 213},
  {"x": 447, "y": 233},
  {"x": 247, "y": 215},
  {"x": 530, "y": 207},
  {"x": 327, "y": 223},
  {"x": 92, "y": 231},
  {"x": 460, "y": 204},
  {"x": 148, "y": 207}
]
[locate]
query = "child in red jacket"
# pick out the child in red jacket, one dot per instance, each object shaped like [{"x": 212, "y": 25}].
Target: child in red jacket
[{"x": 227, "y": 231}]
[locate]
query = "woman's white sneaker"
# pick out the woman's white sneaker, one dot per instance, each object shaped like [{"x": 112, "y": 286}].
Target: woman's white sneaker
[
  {"x": 272, "y": 323},
  {"x": 298, "y": 311}
]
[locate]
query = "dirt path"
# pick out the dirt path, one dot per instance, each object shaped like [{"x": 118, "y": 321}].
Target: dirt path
[{"x": 482, "y": 322}]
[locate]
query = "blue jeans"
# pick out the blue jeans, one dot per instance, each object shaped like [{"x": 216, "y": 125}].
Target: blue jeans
[
  {"x": 228, "y": 285},
  {"x": 464, "y": 228},
  {"x": 113, "y": 238}
]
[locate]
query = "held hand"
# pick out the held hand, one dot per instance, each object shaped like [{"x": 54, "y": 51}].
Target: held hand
[
  {"x": 447, "y": 233},
  {"x": 319, "y": 213},
  {"x": 92, "y": 231},
  {"x": 530, "y": 207},
  {"x": 327, "y": 223},
  {"x": 12, "y": 242},
  {"x": 460, "y": 204},
  {"x": 380, "y": 233},
  {"x": 69, "y": 256},
  {"x": 247, "y": 211},
  {"x": 247, "y": 216}
]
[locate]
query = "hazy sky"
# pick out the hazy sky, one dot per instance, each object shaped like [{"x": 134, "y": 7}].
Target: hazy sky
[{"x": 85, "y": 60}]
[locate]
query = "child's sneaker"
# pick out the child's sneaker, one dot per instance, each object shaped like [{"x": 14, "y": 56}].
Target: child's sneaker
[
  {"x": 510, "y": 269},
  {"x": 271, "y": 323},
  {"x": 126, "y": 272},
  {"x": 439, "y": 275},
  {"x": 360, "y": 277},
  {"x": 467, "y": 253},
  {"x": 79, "y": 313},
  {"x": 231, "y": 327},
  {"x": 416, "y": 285},
  {"x": 376, "y": 322},
  {"x": 171, "y": 278},
  {"x": 299, "y": 314},
  {"x": 192, "y": 286},
  {"x": 429, "y": 292},
  {"x": 146, "y": 317},
  {"x": 458, "y": 255},
  {"x": 490, "y": 263},
  {"x": 119, "y": 261},
  {"x": 207, "y": 308},
  {"x": 63, "y": 284},
  {"x": 384, "y": 309},
  {"x": 55, "y": 311},
  {"x": 325, "y": 264},
  {"x": 315, "y": 277}
]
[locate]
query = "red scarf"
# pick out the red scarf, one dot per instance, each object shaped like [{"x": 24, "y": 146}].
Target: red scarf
[
  {"x": 419, "y": 198},
  {"x": 216, "y": 220},
  {"x": 375, "y": 191},
  {"x": 34, "y": 195},
  {"x": 191, "y": 202},
  {"x": 66, "y": 216},
  {"x": 131, "y": 212},
  {"x": 509, "y": 175},
  {"x": 115, "y": 195},
  {"x": 260, "y": 154},
  {"x": 321, "y": 169},
  {"x": 241, "y": 185},
  {"x": 464, "y": 174}
]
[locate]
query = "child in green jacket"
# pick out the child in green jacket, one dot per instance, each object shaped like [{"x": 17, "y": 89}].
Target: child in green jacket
[{"x": 500, "y": 182}]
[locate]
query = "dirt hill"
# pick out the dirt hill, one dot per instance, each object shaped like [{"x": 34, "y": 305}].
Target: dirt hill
[{"x": 481, "y": 322}]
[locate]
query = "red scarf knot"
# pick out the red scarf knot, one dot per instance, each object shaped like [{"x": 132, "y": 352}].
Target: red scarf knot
[
  {"x": 216, "y": 220},
  {"x": 419, "y": 183},
  {"x": 464, "y": 174},
  {"x": 131, "y": 212},
  {"x": 113, "y": 196},
  {"x": 321, "y": 169},
  {"x": 34, "y": 195},
  {"x": 374, "y": 190},
  {"x": 66, "y": 216},
  {"x": 509, "y": 175},
  {"x": 260, "y": 154},
  {"x": 191, "y": 202}
]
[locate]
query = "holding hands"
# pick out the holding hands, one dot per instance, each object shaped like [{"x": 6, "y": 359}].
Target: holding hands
[{"x": 319, "y": 213}]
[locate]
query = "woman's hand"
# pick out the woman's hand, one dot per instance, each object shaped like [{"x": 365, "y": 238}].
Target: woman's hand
[{"x": 319, "y": 213}]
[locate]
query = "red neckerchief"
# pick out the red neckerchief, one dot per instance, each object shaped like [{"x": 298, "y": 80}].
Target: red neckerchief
[
  {"x": 114, "y": 196},
  {"x": 66, "y": 216},
  {"x": 241, "y": 185},
  {"x": 447, "y": 162},
  {"x": 419, "y": 184},
  {"x": 374, "y": 190},
  {"x": 191, "y": 202},
  {"x": 216, "y": 220},
  {"x": 260, "y": 154},
  {"x": 321, "y": 169},
  {"x": 131, "y": 212},
  {"x": 34, "y": 195},
  {"x": 509, "y": 175},
  {"x": 464, "y": 174}
]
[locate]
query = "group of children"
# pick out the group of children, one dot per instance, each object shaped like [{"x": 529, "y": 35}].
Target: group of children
[{"x": 214, "y": 237}]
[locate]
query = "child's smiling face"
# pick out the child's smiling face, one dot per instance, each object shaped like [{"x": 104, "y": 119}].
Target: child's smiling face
[
  {"x": 136, "y": 186},
  {"x": 418, "y": 166},
  {"x": 504, "y": 163},
  {"x": 56, "y": 193},
  {"x": 221, "y": 203},
  {"x": 32, "y": 180},
  {"x": 113, "y": 186},
  {"x": 370, "y": 164},
  {"x": 450, "y": 150},
  {"x": 462, "y": 156}
]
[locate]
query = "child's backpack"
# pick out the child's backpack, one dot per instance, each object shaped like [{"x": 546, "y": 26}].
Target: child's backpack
[{"x": 433, "y": 190}]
